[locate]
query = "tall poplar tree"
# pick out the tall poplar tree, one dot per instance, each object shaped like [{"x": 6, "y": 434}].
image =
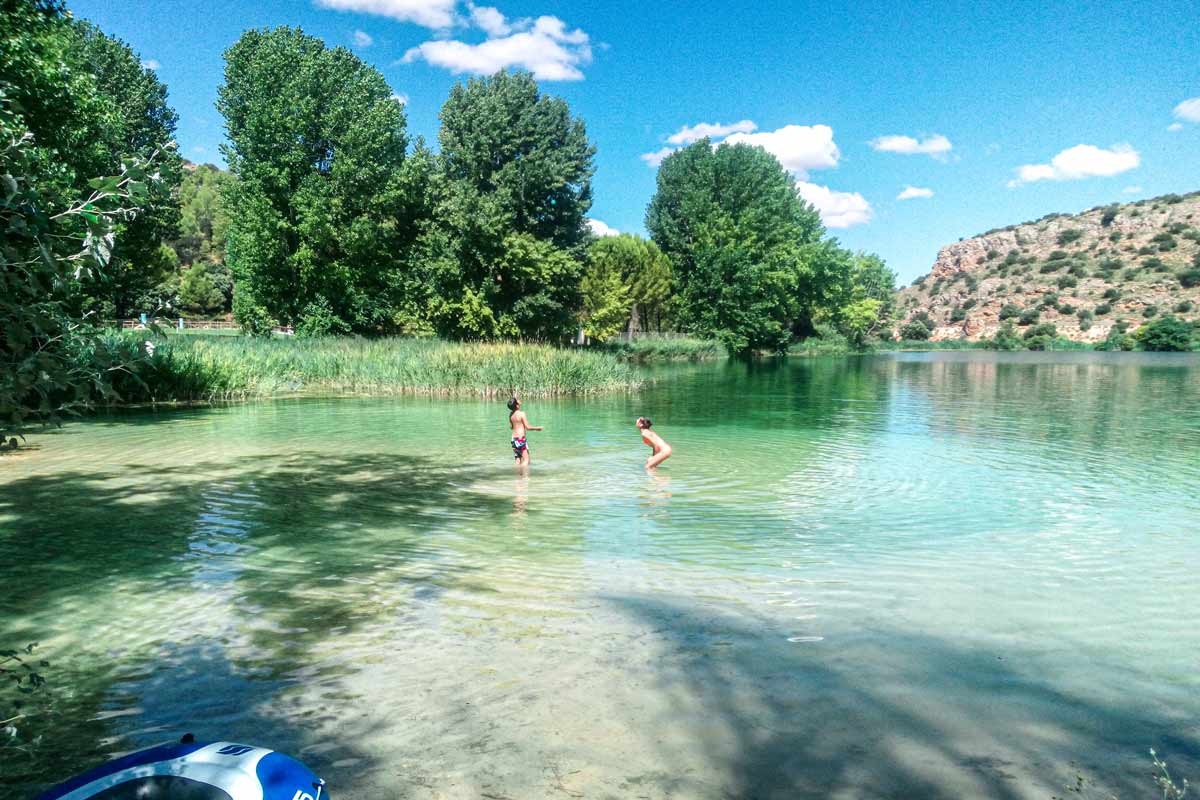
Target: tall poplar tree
[{"x": 321, "y": 224}]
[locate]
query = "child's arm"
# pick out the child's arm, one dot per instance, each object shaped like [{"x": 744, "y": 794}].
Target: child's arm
[{"x": 529, "y": 427}]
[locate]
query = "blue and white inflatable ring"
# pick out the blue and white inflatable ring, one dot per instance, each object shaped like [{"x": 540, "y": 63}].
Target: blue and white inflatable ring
[{"x": 196, "y": 771}]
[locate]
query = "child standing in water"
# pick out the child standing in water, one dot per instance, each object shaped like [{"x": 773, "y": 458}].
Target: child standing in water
[
  {"x": 519, "y": 424},
  {"x": 662, "y": 450}
]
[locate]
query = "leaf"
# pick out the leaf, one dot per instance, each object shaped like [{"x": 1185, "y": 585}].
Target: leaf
[{"x": 108, "y": 184}]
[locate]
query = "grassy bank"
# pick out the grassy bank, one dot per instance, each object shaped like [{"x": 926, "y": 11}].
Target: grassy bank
[
  {"x": 201, "y": 368},
  {"x": 655, "y": 349}
]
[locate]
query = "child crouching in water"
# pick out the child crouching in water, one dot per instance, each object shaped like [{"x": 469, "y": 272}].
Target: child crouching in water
[{"x": 662, "y": 450}]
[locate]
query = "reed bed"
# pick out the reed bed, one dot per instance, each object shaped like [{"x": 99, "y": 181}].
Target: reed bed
[
  {"x": 201, "y": 369},
  {"x": 653, "y": 349}
]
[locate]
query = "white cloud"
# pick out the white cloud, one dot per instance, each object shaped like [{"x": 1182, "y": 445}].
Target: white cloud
[
  {"x": 1132, "y": 190},
  {"x": 656, "y": 158},
  {"x": 363, "y": 39},
  {"x": 799, "y": 148},
  {"x": 1189, "y": 110},
  {"x": 150, "y": 63},
  {"x": 402, "y": 99},
  {"x": 936, "y": 145},
  {"x": 1080, "y": 161},
  {"x": 199, "y": 149},
  {"x": 713, "y": 130},
  {"x": 434, "y": 14},
  {"x": 913, "y": 191},
  {"x": 547, "y": 49},
  {"x": 837, "y": 209},
  {"x": 601, "y": 229},
  {"x": 490, "y": 20},
  {"x": 1175, "y": 126}
]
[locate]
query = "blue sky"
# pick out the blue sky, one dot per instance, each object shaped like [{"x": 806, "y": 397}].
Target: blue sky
[{"x": 1008, "y": 111}]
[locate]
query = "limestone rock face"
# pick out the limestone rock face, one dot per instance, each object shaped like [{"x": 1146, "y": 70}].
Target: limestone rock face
[{"x": 1081, "y": 272}]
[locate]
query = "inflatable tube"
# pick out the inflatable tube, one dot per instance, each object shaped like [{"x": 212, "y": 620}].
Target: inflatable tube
[{"x": 196, "y": 771}]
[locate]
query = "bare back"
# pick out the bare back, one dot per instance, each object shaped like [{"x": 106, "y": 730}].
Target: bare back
[{"x": 518, "y": 423}]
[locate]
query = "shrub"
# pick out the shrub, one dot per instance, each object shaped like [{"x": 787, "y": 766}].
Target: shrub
[
  {"x": 1006, "y": 338},
  {"x": 1070, "y": 236},
  {"x": 1149, "y": 311},
  {"x": 1085, "y": 324},
  {"x": 1103, "y": 308},
  {"x": 1039, "y": 337},
  {"x": 1079, "y": 270},
  {"x": 1189, "y": 279},
  {"x": 1177, "y": 228},
  {"x": 1066, "y": 308},
  {"x": 1165, "y": 241},
  {"x": 1166, "y": 334},
  {"x": 958, "y": 314},
  {"x": 1058, "y": 255},
  {"x": 992, "y": 255},
  {"x": 1029, "y": 316},
  {"x": 1147, "y": 251},
  {"x": 1009, "y": 311},
  {"x": 1109, "y": 215},
  {"x": 1115, "y": 236},
  {"x": 1112, "y": 293},
  {"x": 1155, "y": 263},
  {"x": 1051, "y": 266},
  {"x": 1068, "y": 282},
  {"x": 1184, "y": 306},
  {"x": 920, "y": 281},
  {"x": 1049, "y": 299},
  {"x": 915, "y": 330},
  {"x": 1116, "y": 340},
  {"x": 969, "y": 303}
]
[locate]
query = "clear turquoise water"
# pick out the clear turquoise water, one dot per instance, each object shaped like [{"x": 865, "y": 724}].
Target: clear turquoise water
[{"x": 941, "y": 575}]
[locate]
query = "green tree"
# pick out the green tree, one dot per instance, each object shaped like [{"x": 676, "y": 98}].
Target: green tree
[
  {"x": 607, "y": 300},
  {"x": 51, "y": 361},
  {"x": 517, "y": 171},
  {"x": 1166, "y": 334},
  {"x": 748, "y": 256},
  {"x": 137, "y": 122},
  {"x": 860, "y": 321},
  {"x": 201, "y": 289},
  {"x": 203, "y": 220},
  {"x": 637, "y": 265},
  {"x": 320, "y": 217}
]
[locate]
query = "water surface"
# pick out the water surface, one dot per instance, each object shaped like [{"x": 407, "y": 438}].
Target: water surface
[{"x": 937, "y": 575}]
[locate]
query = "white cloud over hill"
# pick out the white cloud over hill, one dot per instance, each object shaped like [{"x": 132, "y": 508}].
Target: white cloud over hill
[{"x": 1080, "y": 161}]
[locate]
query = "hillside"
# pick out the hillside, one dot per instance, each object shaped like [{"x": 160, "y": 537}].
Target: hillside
[{"x": 1083, "y": 273}]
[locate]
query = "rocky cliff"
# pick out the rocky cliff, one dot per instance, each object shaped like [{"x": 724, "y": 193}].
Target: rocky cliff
[{"x": 1083, "y": 273}]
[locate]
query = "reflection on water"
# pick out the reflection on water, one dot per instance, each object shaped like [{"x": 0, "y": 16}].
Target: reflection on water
[{"x": 935, "y": 575}]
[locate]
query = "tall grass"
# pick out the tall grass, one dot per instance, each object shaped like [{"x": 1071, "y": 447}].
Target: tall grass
[
  {"x": 201, "y": 369},
  {"x": 651, "y": 349}
]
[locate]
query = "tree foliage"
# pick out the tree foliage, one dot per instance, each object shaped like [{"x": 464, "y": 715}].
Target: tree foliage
[
  {"x": 511, "y": 237},
  {"x": 628, "y": 283},
  {"x": 320, "y": 217},
  {"x": 749, "y": 260},
  {"x": 1166, "y": 334},
  {"x": 52, "y": 361}
]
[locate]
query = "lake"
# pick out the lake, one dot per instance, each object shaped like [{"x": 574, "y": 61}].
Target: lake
[{"x": 909, "y": 575}]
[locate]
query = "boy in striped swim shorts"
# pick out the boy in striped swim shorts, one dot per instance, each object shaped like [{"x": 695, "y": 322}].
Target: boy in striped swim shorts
[{"x": 520, "y": 425}]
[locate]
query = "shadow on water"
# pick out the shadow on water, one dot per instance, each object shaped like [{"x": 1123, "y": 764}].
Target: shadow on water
[
  {"x": 779, "y": 719},
  {"x": 209, "y": 585}
]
